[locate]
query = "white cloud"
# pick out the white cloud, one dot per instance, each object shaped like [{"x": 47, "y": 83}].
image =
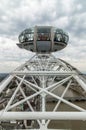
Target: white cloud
[{"x": 79, "y": 7}]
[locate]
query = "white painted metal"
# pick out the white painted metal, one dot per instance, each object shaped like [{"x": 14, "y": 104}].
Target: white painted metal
[
  {"x": 43, "y": 73},
  {"x": 80, "y": 81},
  {"x": 4, "y": 84},
  {"x": 58, "y": 103},
  {"x": 65, "y": 101},
  {"x": 13, "y": 96},
  {"x": 46, "y": 74},
  {"x": 22, "y": 101},
  {"x": 43, "y": 115}
]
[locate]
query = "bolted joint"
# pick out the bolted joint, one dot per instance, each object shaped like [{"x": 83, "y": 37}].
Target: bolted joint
[{"x": 43, "y": 94}]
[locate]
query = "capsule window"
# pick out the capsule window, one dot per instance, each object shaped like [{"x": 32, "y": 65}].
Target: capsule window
[
  {"x": 65, "y": 38},
  {"x": 58, "y": 37},
  {"x": 43, "y": 34},
  {"x": 21, "y": 38}
]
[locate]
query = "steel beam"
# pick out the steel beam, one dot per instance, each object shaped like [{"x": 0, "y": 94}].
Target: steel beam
[
  {"x": 5, "y": 82},
  {"x": 42, "y": 115},
  {"x": 43, "y": 73},
  {"x": 80, "y": 81}
]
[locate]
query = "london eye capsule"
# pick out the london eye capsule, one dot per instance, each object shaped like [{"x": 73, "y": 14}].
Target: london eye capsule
[{"x": 43, "y": 39}]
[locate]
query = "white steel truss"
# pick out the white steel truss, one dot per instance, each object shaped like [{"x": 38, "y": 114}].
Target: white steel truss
[{"x": 25, "y": 93}]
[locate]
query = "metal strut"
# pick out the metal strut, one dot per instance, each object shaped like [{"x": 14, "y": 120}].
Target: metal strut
[{"x": 29, "y": 90}]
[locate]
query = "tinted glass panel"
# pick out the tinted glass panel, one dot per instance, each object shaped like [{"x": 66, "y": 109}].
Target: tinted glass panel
[
  {"x": 65, "y": 38},
  {"x": 43, "y": 34},
  {"x": 27, "y": 35},
  {"x": 43, "y": 30},
  {"x": 60, "y": 36}
]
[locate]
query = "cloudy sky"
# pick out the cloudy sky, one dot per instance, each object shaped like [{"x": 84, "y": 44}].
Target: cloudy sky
[{"x": 17, "y": 15}]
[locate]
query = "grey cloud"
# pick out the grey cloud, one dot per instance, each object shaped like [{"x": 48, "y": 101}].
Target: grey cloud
[
  {"x": 12, "y": 23},
  {"x": 77, "y": 26},
  {"x": 16, "y": 15}
]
